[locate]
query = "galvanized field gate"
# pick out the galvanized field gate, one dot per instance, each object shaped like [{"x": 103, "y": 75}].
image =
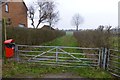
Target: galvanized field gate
[
  {"x": 108, "y": 59},
  {"x": 59, "y": 55},
  {"x": 113, "y": 62}
]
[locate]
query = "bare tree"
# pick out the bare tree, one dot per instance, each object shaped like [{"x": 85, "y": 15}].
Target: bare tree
[
  {"x": 100, "y": 28},
  {"x": 108, "y": 28},
  {"x": 32, "y": 14},
  {"x": 53, "y": 16},
  {"x": 77, "y": 20},
  {"x": 46, "y": 13},
  {"x": 104, "y": 36}
]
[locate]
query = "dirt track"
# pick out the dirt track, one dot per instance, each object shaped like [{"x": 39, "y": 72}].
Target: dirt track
[{"x": 61, "y": 75}]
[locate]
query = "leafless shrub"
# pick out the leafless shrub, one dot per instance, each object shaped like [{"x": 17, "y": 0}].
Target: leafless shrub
[
  {"x": 32, "y": 36},
  {"x": 94, "y": 38}
]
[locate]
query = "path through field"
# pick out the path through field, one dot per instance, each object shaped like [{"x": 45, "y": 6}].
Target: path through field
[
  {"x": 67, "y": 40},
  {"x": 61, "y": 75}
]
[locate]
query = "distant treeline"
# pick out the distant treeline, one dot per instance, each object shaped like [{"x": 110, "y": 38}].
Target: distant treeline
[{"x": 30, "y": 36}]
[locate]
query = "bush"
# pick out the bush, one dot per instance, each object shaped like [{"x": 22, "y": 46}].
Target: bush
[
  {"x": 29, "y": 36},
  {"x": 93, "y": 38}
]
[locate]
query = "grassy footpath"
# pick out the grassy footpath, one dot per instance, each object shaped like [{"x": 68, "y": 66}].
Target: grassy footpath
[
  {"x": 28, "y": 70},
  {"x": 67, "y": 40}
]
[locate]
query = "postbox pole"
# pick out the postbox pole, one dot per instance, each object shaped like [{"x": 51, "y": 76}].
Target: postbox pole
[
  {"x": 3, "y": 38},
  {"x": 5, "y": 28}
]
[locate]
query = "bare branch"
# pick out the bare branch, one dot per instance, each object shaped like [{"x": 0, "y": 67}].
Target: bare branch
[
  {"x": 31, "y": 11},
  {"x": 46, "y": 13}
]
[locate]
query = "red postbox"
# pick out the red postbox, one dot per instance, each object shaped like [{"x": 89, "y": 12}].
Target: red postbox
[{"x": 9, "y": 48}]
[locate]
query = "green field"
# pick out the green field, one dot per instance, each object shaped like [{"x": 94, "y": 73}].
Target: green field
[{"x": 35, "y": 70}]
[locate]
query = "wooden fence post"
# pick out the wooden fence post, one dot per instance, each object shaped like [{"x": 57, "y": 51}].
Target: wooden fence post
[
  {"x": 0, "y": 39},
  {"x": 3, "y": 39}
]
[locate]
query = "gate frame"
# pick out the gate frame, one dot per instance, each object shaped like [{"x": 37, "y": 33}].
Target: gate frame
[
  {"x": 56, "y": 52},
  {"x": 107, "y": 62}
]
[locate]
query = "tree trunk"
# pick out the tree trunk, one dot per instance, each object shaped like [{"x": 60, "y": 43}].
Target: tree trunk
[
  {"x": 50, "y": 25},
  {"x": 38, "y": 24},
  {"x": 76, "y": 28}
]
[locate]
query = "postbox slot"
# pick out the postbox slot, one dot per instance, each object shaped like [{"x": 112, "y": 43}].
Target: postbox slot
[{"x": 10, "y": 45}]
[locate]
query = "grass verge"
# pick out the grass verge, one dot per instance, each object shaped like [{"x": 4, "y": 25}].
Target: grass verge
[{"x": 34, "y": 70}]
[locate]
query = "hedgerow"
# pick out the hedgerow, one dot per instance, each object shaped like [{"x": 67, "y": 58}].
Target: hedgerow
[
  {"x": 30, "y": 36},
  {"x": 93, "y": 38}
]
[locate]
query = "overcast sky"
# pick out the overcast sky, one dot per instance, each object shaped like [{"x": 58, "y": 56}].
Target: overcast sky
[{"x": 94, "y": 12}]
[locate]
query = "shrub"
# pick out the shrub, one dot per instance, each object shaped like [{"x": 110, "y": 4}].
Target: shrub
[
  {"x": 93, "y": 38},
  {"x": 31, "y": 36}
]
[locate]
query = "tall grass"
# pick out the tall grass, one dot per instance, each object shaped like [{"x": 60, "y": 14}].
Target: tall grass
[{"x": 31, "y": 36}]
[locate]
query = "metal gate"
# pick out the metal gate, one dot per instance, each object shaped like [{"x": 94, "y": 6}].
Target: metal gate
[
  {"x": 59, "y": 55},
  {"x": 113, "y": 63}
]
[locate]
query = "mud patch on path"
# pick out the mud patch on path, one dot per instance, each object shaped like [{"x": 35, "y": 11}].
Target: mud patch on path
[{"x": 61, "y": 75}]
